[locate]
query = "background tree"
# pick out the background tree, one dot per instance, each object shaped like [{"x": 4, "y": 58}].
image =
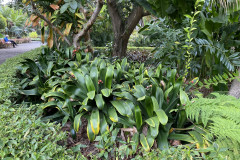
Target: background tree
[{"x": 3, "y": 22}]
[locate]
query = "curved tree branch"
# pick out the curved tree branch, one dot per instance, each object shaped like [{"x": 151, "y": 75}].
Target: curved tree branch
[
  {"x": 37, "y": 13},
  {"x": 89, "y": 24}
]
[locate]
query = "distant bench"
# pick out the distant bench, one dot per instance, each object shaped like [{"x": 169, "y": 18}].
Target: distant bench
[{"x": 4, "y": 44}]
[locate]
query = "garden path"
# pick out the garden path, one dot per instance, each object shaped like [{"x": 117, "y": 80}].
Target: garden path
[{"x": 6, "y": 53}]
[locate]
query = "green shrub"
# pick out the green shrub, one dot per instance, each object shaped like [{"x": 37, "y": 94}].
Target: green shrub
[
  {"x": 3, "y": 22},
  {"x": 33, "y": 35},
  {"x": 107, "y": 91}
]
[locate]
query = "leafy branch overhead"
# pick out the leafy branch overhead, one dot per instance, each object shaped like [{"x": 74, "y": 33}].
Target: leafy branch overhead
[{"x": 53, "y": 15}]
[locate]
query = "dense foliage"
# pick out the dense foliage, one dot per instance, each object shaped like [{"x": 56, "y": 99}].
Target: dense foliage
[{"x": 220, "y": 116}]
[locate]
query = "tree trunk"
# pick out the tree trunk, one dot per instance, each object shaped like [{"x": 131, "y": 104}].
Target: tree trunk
[
  {"x": 123, "y": 28},
  {"x": 235, "y": 88},
  {"x": 120, "y": 46}
]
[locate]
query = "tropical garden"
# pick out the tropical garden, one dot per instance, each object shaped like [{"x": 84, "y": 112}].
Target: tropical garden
[{"x": 122, "y": 79}]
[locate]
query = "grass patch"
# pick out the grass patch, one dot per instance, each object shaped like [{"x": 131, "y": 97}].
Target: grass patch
[{"x": 8, "y": 68}]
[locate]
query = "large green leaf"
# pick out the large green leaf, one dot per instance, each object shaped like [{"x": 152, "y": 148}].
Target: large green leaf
[
  {"x": 181, "y": 137},
  {"x": 144, "y": 142},
  {"x": 162, "y": 139},
  {"x": 183, "y": 97},
  {"x": 99, "y": 101},
  {"x": 89, "y": 83},
  {"x": 95, "y": 121},
  {"x": 56, "y": 94},
  {"x": 138, "y": 117},
  {"x": 94, "y": 76},
  {"x": 77, "y": 122},
  {"x": 149, "y": 106},
  {"x": 81, "y": 80},
  {"x": 90, "y": 134},
  {"x": 91, "y": 95},
  {"x": 109, "y": 77},
  {"x": 140, "y": 91},
  {"x": 103, "y": 124},
  {"x": 162, "y": 117},
  {"x": 106, "y": 92},
  {"x": 30, "y": 92},
  {"x": 155, "y": 103},
  {"x": 112, "y": 114},
  {"x": 122, "y": 107}
]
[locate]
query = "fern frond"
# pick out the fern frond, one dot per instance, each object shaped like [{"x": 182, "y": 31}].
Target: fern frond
[
  {"x": 221, "y": 116},
  {"x": 224, "y": 79}
]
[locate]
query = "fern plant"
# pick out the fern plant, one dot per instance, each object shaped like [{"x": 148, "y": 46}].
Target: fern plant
[
  {"x": 218, "y": 79},
  {"x": 221, "y": 116}
]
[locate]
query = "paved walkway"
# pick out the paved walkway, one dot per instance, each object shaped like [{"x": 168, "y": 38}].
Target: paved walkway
[{"x": 6, "y": 53}]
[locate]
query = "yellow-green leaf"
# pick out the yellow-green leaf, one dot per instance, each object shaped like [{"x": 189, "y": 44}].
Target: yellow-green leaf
[
  {"x": 112, "y": 114},
  {"x": 144, "y": 142},
  {"x": 90, "y": 134},
  {"x": 95, "y": 121},
  {"x": 162, "y": 117}
]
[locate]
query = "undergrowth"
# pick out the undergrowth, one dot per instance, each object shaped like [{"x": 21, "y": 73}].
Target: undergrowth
[{"x": 221, "y": 116}]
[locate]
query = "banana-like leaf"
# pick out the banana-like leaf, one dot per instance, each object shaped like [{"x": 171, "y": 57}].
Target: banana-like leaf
[
  {"x": 109, "y": 77},
  {"x": 119, "y": 73},
  {"x": 112, "y": 114},
  {"x": 91, "y": 95},
  {"x": 159, "y": 72},
  {"x": 30, "y": 92},
  {"x": 138, "y": 117},
  {"x": 74, "y": 92},
  {"x": 167, "y": 92},
  {"x": 106, "y": 92},
  {"x": 181, "y": 137},
  {"x": 151, "y": 121},
  {"x": 49, "y": 68},
  {"x": 150, "y": 140},
  {"x": 81, "y": 80},
  {"x": 198, "y": 138},
  {"x": 90, "y": 134},
  {"x": 56, "y": 94},
  {"x": 99, "y": 101},
  {"x": 103, "y": 124},
  {"x": 50, "y": 104},
  {"x": 128, "y": 122},
  {"x": 183, "y": 97},
  {"x": 94, "y": 76},
  {"x": 77, "y": 122},
  {"x": 140, "y": 91},
  {"x": 162, "y": 139},
  {"x": 155, "y": 103},
  {"x": 162, "y": 117},
  {"x": 124, "y": 64},
  {"x": 154, "y": 130},
  {"x": 159, "y": 96},
  {"x": 122, "y": 107},
  {"x": 95, "y": 121},
  {"x": 141, "y": 68},
  {"x": 173, "y": 76},
  {"x": 103, "y": 70},
  {"x": 149, "y": 106},
  {"x": 89, "y": 83},
  {"x": 144, "y": 142}
]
